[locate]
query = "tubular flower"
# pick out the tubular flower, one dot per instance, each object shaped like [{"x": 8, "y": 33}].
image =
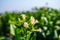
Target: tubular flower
[
  {"x": 36, "y": 21},
  {"x": 25, "y": 24},
  {"x": 23, "y": 16},
  {"x": 32, "y": 20},
  {"x": 45, "y": 28}
]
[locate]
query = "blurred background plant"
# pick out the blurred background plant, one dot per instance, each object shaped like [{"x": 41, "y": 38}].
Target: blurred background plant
[{"x": 42, "y": 24}]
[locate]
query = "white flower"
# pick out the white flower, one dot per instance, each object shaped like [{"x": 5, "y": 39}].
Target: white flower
[
  {"x": 32, "y": 20},
  {"x": 23, "y": 16},
  {"x": 25, "y": 24},
  {"x": 36, "y": 21},
  {"x": 45, "y": 28}
]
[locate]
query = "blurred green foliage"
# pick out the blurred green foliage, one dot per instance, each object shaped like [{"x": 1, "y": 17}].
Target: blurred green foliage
[{"x": 48, "y": 26}]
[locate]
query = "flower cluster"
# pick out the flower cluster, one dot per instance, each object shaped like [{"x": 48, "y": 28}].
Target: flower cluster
[
  {"x": 23, "y": 16},
  {"x": 33, "y": 20}
]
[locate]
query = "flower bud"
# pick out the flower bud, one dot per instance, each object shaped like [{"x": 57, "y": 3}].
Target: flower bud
[{"x": 32, "y": 20}]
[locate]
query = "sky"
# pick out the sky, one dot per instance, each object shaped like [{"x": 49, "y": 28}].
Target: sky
[{"x": 25, "y": 5}]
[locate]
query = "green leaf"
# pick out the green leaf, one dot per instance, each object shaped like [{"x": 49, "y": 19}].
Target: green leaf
[{"x": 12, "y": 29}]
